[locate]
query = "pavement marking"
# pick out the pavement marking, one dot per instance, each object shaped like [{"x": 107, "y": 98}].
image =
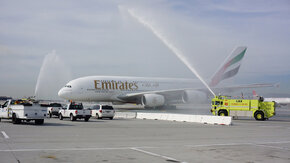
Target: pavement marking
[
  {"x": 272, "y": 126},
  {"x": 69, "y": 149},
  {"x": 157, "y": 155},
  {"x": 269, "y": 146},
  {"x": 225, "y": 144},
  {"x": 275, "y": 142},
  {"x": 262, "y": 144},
  {"x": 5, "y": 135}
]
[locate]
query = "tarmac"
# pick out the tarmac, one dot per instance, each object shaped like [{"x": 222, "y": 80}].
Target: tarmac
[{"x": 133, "y": 140}]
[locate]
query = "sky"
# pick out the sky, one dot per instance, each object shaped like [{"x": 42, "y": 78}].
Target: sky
[{"x": 100, "y": 37}]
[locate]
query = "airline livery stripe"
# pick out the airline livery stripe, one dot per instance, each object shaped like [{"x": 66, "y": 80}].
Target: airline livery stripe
[
  {"x": 234, "y": 60},
  {"x": 237, "y": 58},
  {"x": 231, "y": 73},
  {"x": 220, "y": 75}
]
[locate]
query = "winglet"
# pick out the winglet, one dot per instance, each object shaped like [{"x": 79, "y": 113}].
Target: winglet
[{"x": 230, "y": 67}]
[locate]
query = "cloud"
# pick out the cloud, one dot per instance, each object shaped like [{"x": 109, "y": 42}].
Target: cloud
[{"x": 96, "y": 38}]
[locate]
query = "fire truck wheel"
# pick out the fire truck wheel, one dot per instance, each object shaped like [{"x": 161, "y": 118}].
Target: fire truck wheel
[
  {"x": 223, "y": 113},
  {"x": 259, "y": 116}
]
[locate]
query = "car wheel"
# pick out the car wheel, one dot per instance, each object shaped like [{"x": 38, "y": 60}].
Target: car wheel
[
  {"x": 60, "y": 116},
  {"x": 72, "y": 118},
  {"x": 39, "y": 121},
  {"x": 97, "y": 116},
  {"x": 15, "y": 120}
]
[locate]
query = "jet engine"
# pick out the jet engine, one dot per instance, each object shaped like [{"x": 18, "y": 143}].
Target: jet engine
[
  {"x": 152, "y": 100},
  {"x": 194, "y": 97}
]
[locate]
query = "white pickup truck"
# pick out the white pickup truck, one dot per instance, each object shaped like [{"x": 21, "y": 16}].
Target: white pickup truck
[
  {"x": 53, "y": 109},
  {"x": 74, "y": 111},
  {"x": 20, "y": 113}
]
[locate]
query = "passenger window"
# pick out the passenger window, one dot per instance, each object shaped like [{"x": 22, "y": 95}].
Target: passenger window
[
  {"x": 108, "y": 107},
  {"x": 97, "y": 107}
]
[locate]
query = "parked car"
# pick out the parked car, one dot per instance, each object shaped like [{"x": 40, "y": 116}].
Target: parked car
[
  {"x": 103, "y": 111},
  {"x": 18, "y": 112},
  {"x": 53, "y": 109},
  {"x": 74, "y": 111}
]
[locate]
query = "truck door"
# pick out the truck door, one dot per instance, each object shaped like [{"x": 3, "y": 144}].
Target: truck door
[{"x": 5, "y": 110}]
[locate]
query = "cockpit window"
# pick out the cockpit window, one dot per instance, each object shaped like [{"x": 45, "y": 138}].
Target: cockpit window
[{"x": 68, "y": 86}]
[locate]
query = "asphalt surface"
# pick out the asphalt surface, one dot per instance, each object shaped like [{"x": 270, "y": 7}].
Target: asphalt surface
[{"x": 132, "y": 140}]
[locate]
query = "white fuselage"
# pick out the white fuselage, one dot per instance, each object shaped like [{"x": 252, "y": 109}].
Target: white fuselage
[
  {"x": 109, "y": 88},
  {"x": 280, "y": 101}
]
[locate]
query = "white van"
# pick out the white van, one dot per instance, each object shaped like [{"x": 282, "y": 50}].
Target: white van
[{"x": 102, "y": 111}]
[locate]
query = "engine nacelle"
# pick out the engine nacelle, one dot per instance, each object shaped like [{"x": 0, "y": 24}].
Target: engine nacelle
[
  {"x": 152, "y": 100},
  {"x": 194, "y": 97}
]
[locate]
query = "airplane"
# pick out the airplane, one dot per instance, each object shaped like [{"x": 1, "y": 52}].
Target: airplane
[{"x": 153, "y": 92}]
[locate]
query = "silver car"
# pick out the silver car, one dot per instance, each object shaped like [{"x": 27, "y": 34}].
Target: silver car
[{"x": 103, "y": 111}]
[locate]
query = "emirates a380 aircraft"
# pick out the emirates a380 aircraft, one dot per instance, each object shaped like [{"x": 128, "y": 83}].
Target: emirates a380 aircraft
[{"x": 152, "y": 92}]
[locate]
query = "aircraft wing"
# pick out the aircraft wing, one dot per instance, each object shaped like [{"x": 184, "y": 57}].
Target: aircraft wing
[
  {"x": 168, "y": 94},
  {"x": 244, "y": 86},
  {"x": 176, "y": 94}
]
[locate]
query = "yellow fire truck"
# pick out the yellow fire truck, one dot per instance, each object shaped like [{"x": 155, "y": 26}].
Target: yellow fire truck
[{"x": 258, "y": 108}]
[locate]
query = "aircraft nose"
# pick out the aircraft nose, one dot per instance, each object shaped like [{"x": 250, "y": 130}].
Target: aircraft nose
[{"x": 63, "y": 93}]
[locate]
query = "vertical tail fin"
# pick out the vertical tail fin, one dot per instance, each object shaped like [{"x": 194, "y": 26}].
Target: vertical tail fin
[
  {"x": 230, "y": 67},
  {"x": 255, "y": 93}
]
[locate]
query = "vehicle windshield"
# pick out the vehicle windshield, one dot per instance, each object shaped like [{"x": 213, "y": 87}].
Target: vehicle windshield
[
  {"x": 217, "y": 103},
  {"x": 106, "y": 107},
  {"x": 76, "y": 107},
  {"x": 96, "y": 107},
  {"x": 55, "y": 105}
]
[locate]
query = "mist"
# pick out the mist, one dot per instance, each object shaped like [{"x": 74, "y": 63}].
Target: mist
[{"x": 53, "y": 75}]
